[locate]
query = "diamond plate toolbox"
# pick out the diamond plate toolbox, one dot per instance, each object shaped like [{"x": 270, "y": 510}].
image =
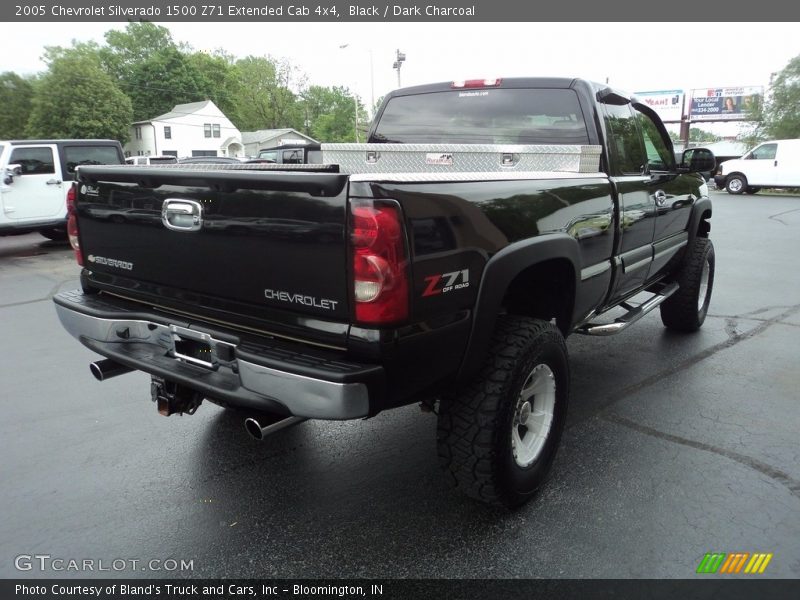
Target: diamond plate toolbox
[{"x": 460, "y": 158}]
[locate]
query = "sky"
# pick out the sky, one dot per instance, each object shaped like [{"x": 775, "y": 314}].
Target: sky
[{"x": 631, "y": 56}]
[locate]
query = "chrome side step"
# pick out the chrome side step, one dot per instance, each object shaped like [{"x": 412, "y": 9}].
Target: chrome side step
[{"x": 629, "y": 318}]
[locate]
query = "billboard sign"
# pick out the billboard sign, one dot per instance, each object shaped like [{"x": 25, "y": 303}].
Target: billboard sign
[
  {"x": 668, "y": 104},
  {"x": 721, "y": 104}
]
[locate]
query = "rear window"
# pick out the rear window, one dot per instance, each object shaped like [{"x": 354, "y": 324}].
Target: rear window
[
  {"x": 494, "y": 116},
  {"x": 76, "y": 156}
]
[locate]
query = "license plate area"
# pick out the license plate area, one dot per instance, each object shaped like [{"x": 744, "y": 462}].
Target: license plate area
[{"x": 199, "y": 349}]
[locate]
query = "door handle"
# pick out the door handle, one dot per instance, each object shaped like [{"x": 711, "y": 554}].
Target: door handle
[
  {"x": 776, "y": 163},
  {"x": 54, "y": 182},
  {"x": 182, "y": 215},
  {"x": 660, "y": 197}
]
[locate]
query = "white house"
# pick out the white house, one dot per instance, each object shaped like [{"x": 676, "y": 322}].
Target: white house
[
  {"x": 194, "y": 129},
  {"x": 269, "y": 138}
]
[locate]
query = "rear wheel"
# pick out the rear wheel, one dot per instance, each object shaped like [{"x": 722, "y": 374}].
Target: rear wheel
[
  {"x": 752, "y": 189},
  {"x": 498, "y": 436},
  {"x": 736, "y": 184},
  {"x": 686, "y": 309}
]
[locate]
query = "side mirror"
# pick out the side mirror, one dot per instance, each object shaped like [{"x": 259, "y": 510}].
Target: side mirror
[
  {"x": 698, "y": 160},
  {"x": 11, "y": 172}
]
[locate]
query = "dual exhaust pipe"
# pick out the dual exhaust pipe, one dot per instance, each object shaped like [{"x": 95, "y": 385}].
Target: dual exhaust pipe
[
  {"x": 106, "y": 369},
  {"x": 258, "y": 427}
]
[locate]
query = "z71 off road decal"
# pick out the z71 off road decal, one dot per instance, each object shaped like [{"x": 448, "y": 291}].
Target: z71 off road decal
[{"x": 446, "y": 282}]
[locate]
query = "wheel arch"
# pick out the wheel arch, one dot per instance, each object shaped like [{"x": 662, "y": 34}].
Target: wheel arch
[{"x": 509, "y": 284}]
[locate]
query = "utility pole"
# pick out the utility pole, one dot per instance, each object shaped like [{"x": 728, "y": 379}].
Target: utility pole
[{"x": 400, "y": 58}]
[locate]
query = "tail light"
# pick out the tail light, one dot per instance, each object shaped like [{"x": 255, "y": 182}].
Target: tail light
[
  {"x": 476, "y": 83},
  {"x": 380, "y": 263},
  {"x": 72, "y": 222}
]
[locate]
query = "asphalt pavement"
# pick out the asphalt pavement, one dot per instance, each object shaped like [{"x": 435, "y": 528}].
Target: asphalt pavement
[{"x": 676, "y": 445}]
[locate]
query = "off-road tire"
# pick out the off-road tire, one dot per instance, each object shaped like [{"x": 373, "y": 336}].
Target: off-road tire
[
  {"x": 736, "y": 184},
  {"x": 475, "y": 424},
  {"x": 685, "y": 310}
]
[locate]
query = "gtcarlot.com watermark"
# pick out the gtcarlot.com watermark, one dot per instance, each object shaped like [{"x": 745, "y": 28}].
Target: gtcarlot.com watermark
[{"x": 45, "y": 563}]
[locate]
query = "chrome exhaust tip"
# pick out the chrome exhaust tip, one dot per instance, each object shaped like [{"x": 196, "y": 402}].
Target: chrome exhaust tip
[
  {"x": 106, "y": 369},
  {"x": 258, "y": 430}
]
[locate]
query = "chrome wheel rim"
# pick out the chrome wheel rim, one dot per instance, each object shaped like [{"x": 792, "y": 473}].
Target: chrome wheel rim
[
  {"x": 736, "y": 184},
  {"x": 533, "y": 415},
  {"x": 701, "y": 297}
]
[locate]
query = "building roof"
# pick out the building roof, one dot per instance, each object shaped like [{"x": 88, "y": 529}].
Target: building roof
[
  {"x": 264, "y": 135},
  {"x": 180, "y": 110}
]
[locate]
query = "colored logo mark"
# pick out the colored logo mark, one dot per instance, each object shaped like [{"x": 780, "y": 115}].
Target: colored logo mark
[{"x": 736, "y": 562}]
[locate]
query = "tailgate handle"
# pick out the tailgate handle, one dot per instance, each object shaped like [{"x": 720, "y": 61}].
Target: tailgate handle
[{"x": 182, "y": 215}]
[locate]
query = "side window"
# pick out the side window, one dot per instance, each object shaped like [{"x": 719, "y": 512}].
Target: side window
[
  {"x": 624, "y": 141},
  {"x": 763, "y": 152},
  {"x": 34, "y": 161},
  {"x": 659, "y": 158},
  {"x": 75, "y": 156}
]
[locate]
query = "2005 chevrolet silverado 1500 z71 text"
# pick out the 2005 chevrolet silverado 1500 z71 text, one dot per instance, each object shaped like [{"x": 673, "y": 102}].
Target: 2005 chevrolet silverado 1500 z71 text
[{"x": 443, "y": 262}]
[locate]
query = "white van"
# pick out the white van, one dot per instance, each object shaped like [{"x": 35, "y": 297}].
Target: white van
[
  {"x": 35, "y": 176},
  {"x": 774, "y": 164}
]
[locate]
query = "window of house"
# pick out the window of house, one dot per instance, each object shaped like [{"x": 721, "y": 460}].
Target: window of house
[
  {"x": 204, "y": 152},
  {"x": 207, "y": 129},
  {"x": 216, "y": 130},
  {"x": 137, "y": 132},
  {"x": 167, "y": 132}
]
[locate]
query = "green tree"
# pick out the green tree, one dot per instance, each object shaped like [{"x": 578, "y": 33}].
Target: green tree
[
  {"x": 329, "y": 114},
  {"x": 162, "y": 80},
  {"x": 125, "y": 50},
  {"x": 216, "y": 79},
  {"x": 781, "y": 111},
  {"x": 264, "y": 96},
  {"x": 701, "y": 135},
  {"x": 76, "y": 98},
  {"x": 15, "y": 97}
]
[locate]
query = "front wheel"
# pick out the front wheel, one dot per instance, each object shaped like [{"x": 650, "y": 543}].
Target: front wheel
[
  {"x": 736, "y": 184},
  {"x": 497, "y": 437},
  {"x": 686, "y": 309}
]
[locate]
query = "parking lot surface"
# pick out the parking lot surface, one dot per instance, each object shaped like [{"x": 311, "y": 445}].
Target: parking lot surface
[{"x": 676, "y": 445}]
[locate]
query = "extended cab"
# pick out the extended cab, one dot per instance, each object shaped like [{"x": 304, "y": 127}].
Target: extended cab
[
  {"x": 36, "y": 175},
  {"x": 444, "y": 262}
]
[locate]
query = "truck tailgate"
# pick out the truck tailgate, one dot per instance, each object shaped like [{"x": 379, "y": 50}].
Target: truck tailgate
[{"x": 258, "y": 239}]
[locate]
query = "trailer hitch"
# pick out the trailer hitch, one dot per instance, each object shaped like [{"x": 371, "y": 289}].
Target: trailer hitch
[{"x": 173, "y": 398}]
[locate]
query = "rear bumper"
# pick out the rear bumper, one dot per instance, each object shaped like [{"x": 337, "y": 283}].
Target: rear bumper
[{"x": 253, "y": 373}]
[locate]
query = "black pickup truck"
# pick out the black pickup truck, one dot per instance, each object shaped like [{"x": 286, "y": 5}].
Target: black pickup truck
[{"x": 324, "y": 292}]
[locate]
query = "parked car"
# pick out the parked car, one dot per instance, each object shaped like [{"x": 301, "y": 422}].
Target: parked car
[
  {"x": 774, "y": 164},
  {"x": 290, "y": 154},
  {"x": 36, "y": 176},
  {"x": 209, "y": 160},
  {"x": 151, "y": 160}
]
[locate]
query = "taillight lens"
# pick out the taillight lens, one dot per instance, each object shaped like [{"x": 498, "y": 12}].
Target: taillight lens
[
  {"x": 380, "y": 263},
  {"x": 476, "y": 83},
  {"x": 72, "y": 222}
]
